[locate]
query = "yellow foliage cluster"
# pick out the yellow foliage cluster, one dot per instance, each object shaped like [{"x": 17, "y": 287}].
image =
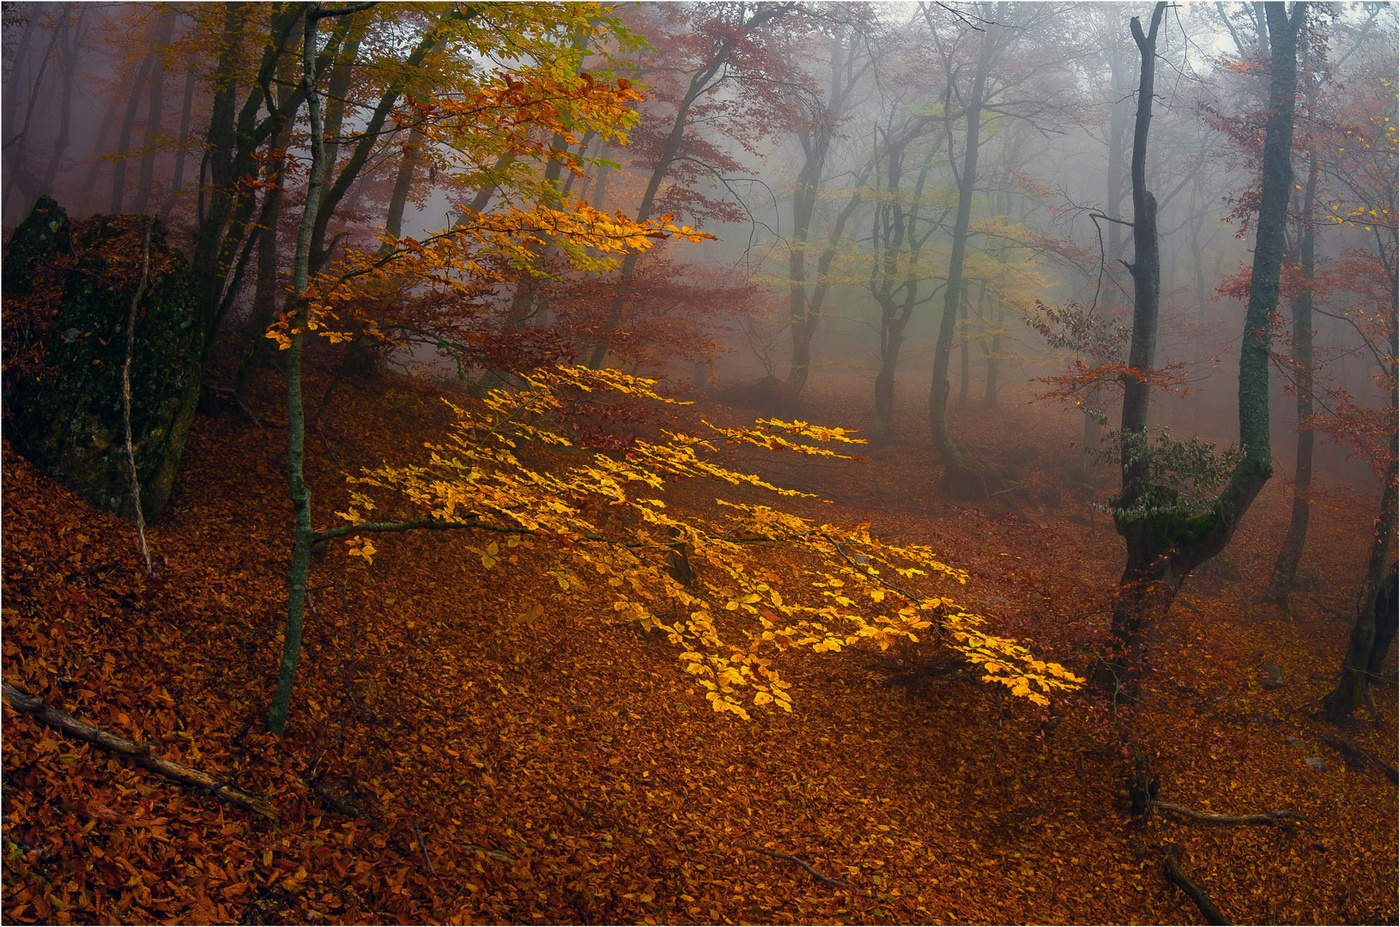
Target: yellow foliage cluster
[{"x": 708, "y": 580}]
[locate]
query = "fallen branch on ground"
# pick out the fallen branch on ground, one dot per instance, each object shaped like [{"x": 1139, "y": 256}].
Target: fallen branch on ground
[
  {"x": 1354, "y": 755},
  {"x": 827, "y": 880},
  {"x": 1209, "y": 911},
  {"x": 139, "y": 753},
  {"x": 1273, "y": 818}
]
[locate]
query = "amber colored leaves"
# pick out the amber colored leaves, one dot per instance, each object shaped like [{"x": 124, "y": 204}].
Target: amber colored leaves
[
  {"x": 558, "y": 767},
  {"x": 702, "y": 579}
]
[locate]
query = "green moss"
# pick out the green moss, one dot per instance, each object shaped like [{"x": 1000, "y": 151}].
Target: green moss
[{"x": 64, "y": 411}]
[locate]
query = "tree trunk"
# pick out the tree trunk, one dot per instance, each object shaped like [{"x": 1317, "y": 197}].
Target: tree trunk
[
  {"x": 302, "y": 533},
  {"x": 165, "y": 28},
  {"x": 65, "y": 112},
  {"x": 1376, "y": 616},
  {"x": 953, "y": 292},
  {"x": 989, "y": 395},
  {"x": 177, "y": 180},
  {"x": 1286, "y": 564},
  {"x": 267, "y": 291},
  {"x": 965, "y": 351},
  {"x": 891, "y": 340},
  {"x": 17, "y": 159},
  {"x": 403, "y": 183},
  {"x": 128, "y": 126},
  {"x": 1163, "y": 544}
]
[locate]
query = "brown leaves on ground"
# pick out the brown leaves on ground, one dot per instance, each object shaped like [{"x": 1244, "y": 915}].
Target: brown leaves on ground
[{"x": 471, "y": 745}]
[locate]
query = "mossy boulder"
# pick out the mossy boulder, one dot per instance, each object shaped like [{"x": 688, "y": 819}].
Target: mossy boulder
[{"x": 68, "y": 292}]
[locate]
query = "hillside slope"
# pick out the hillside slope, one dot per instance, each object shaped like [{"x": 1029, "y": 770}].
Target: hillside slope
[{"x": 455, "y": 755}]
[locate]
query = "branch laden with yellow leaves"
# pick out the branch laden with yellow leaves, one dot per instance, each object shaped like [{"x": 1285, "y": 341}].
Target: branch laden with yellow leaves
[{"x": 707, "y": 580}]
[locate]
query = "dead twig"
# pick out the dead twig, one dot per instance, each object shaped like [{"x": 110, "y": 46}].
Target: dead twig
[
  {"x": 424, "y": 848},
  {"x": 826, "y": 880}
]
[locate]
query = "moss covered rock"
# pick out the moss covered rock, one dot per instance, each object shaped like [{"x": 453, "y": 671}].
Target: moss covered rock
[{"x": 65, "y": 345}]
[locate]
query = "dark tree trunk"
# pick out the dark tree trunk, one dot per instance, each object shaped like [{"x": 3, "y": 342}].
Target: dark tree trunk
[
  {"x": 1164, "y": 544},
  {"x": 296, "y": 431},
  {"x": 177, "y": 180},
  {"x": 155, "y": 106},
  {"x": 20, "y": 139},
  {"x": 804, "y": 297},
  {"x": 989, "y": 394},
  {"x": 965, "y": 352},
  {"x": 954, "y": 464},
  {"x": 65, "y": 113},
  {"x": 1375, "y": 626},
  {"x": 138, "y": 86},
  {"x": 1286, "y": 564}
]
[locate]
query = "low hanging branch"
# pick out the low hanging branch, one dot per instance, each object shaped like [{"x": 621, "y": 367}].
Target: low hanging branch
[
  {"x": 139, "y": 753},
  {"x": 1270, "y": 818},
  {"x": 1178, "y": 876}
]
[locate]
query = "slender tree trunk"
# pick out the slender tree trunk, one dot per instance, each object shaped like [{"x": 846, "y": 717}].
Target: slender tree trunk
[
  {"x": 965, "y": 351},
  {"x": 989, "y": 395},
  {"x": 302, "y": 534},
  {"x": 1286, "y": 564},
  {"x": 805, "y": 307},
  {"x": 65, "y": 112},
  {"x": 165, "y": 28},
  {"x": 955, "y": 466},
  {"x": 1148, "y": 585},
  {"x": 177, "y": 180},
  {"x": 20, "y": 140},
  {"x": 267, "y": 291},
  {"x": 1164, "y": 545},
  {"x": 882, "y": 432},
  {"x": 128, "y": 126},
  {"x": 409, "y": 163}
]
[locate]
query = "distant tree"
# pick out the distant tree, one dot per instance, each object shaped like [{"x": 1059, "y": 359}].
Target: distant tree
[{"x": 994, "y": 74}]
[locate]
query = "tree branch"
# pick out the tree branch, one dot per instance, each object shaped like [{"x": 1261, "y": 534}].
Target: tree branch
[
  {"x": 1209, "y": 911},
  {"x": 1270, "y": 818},
  {"x": 825, "y": 880},
  {"x": 138, "y": 753}
]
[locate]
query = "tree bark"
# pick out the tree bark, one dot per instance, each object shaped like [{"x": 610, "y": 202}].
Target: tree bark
[
  {"x": 177, "y": 180},
  {"x": 1375, "y": 626},
  {"x": 1286, "y": 564},
  {"x": 805, "y": 307},
  {"x": 73, "y": 41}
]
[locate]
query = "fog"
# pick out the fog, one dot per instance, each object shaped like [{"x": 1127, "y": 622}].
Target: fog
[
  {"x": 824, "y": 147},
  {"x": 793, "y": 462}
]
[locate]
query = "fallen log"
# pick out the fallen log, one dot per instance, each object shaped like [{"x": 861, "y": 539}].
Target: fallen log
[
  {"x": 1199, "y": 895},
  {"x": 1273, "y": 818},
  {"x": 138, "y": 753},
  {"x": 1355, "y": 756}
]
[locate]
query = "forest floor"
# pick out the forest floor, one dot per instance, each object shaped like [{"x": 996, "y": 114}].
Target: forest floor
[{"x": 455, "y": 756}]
